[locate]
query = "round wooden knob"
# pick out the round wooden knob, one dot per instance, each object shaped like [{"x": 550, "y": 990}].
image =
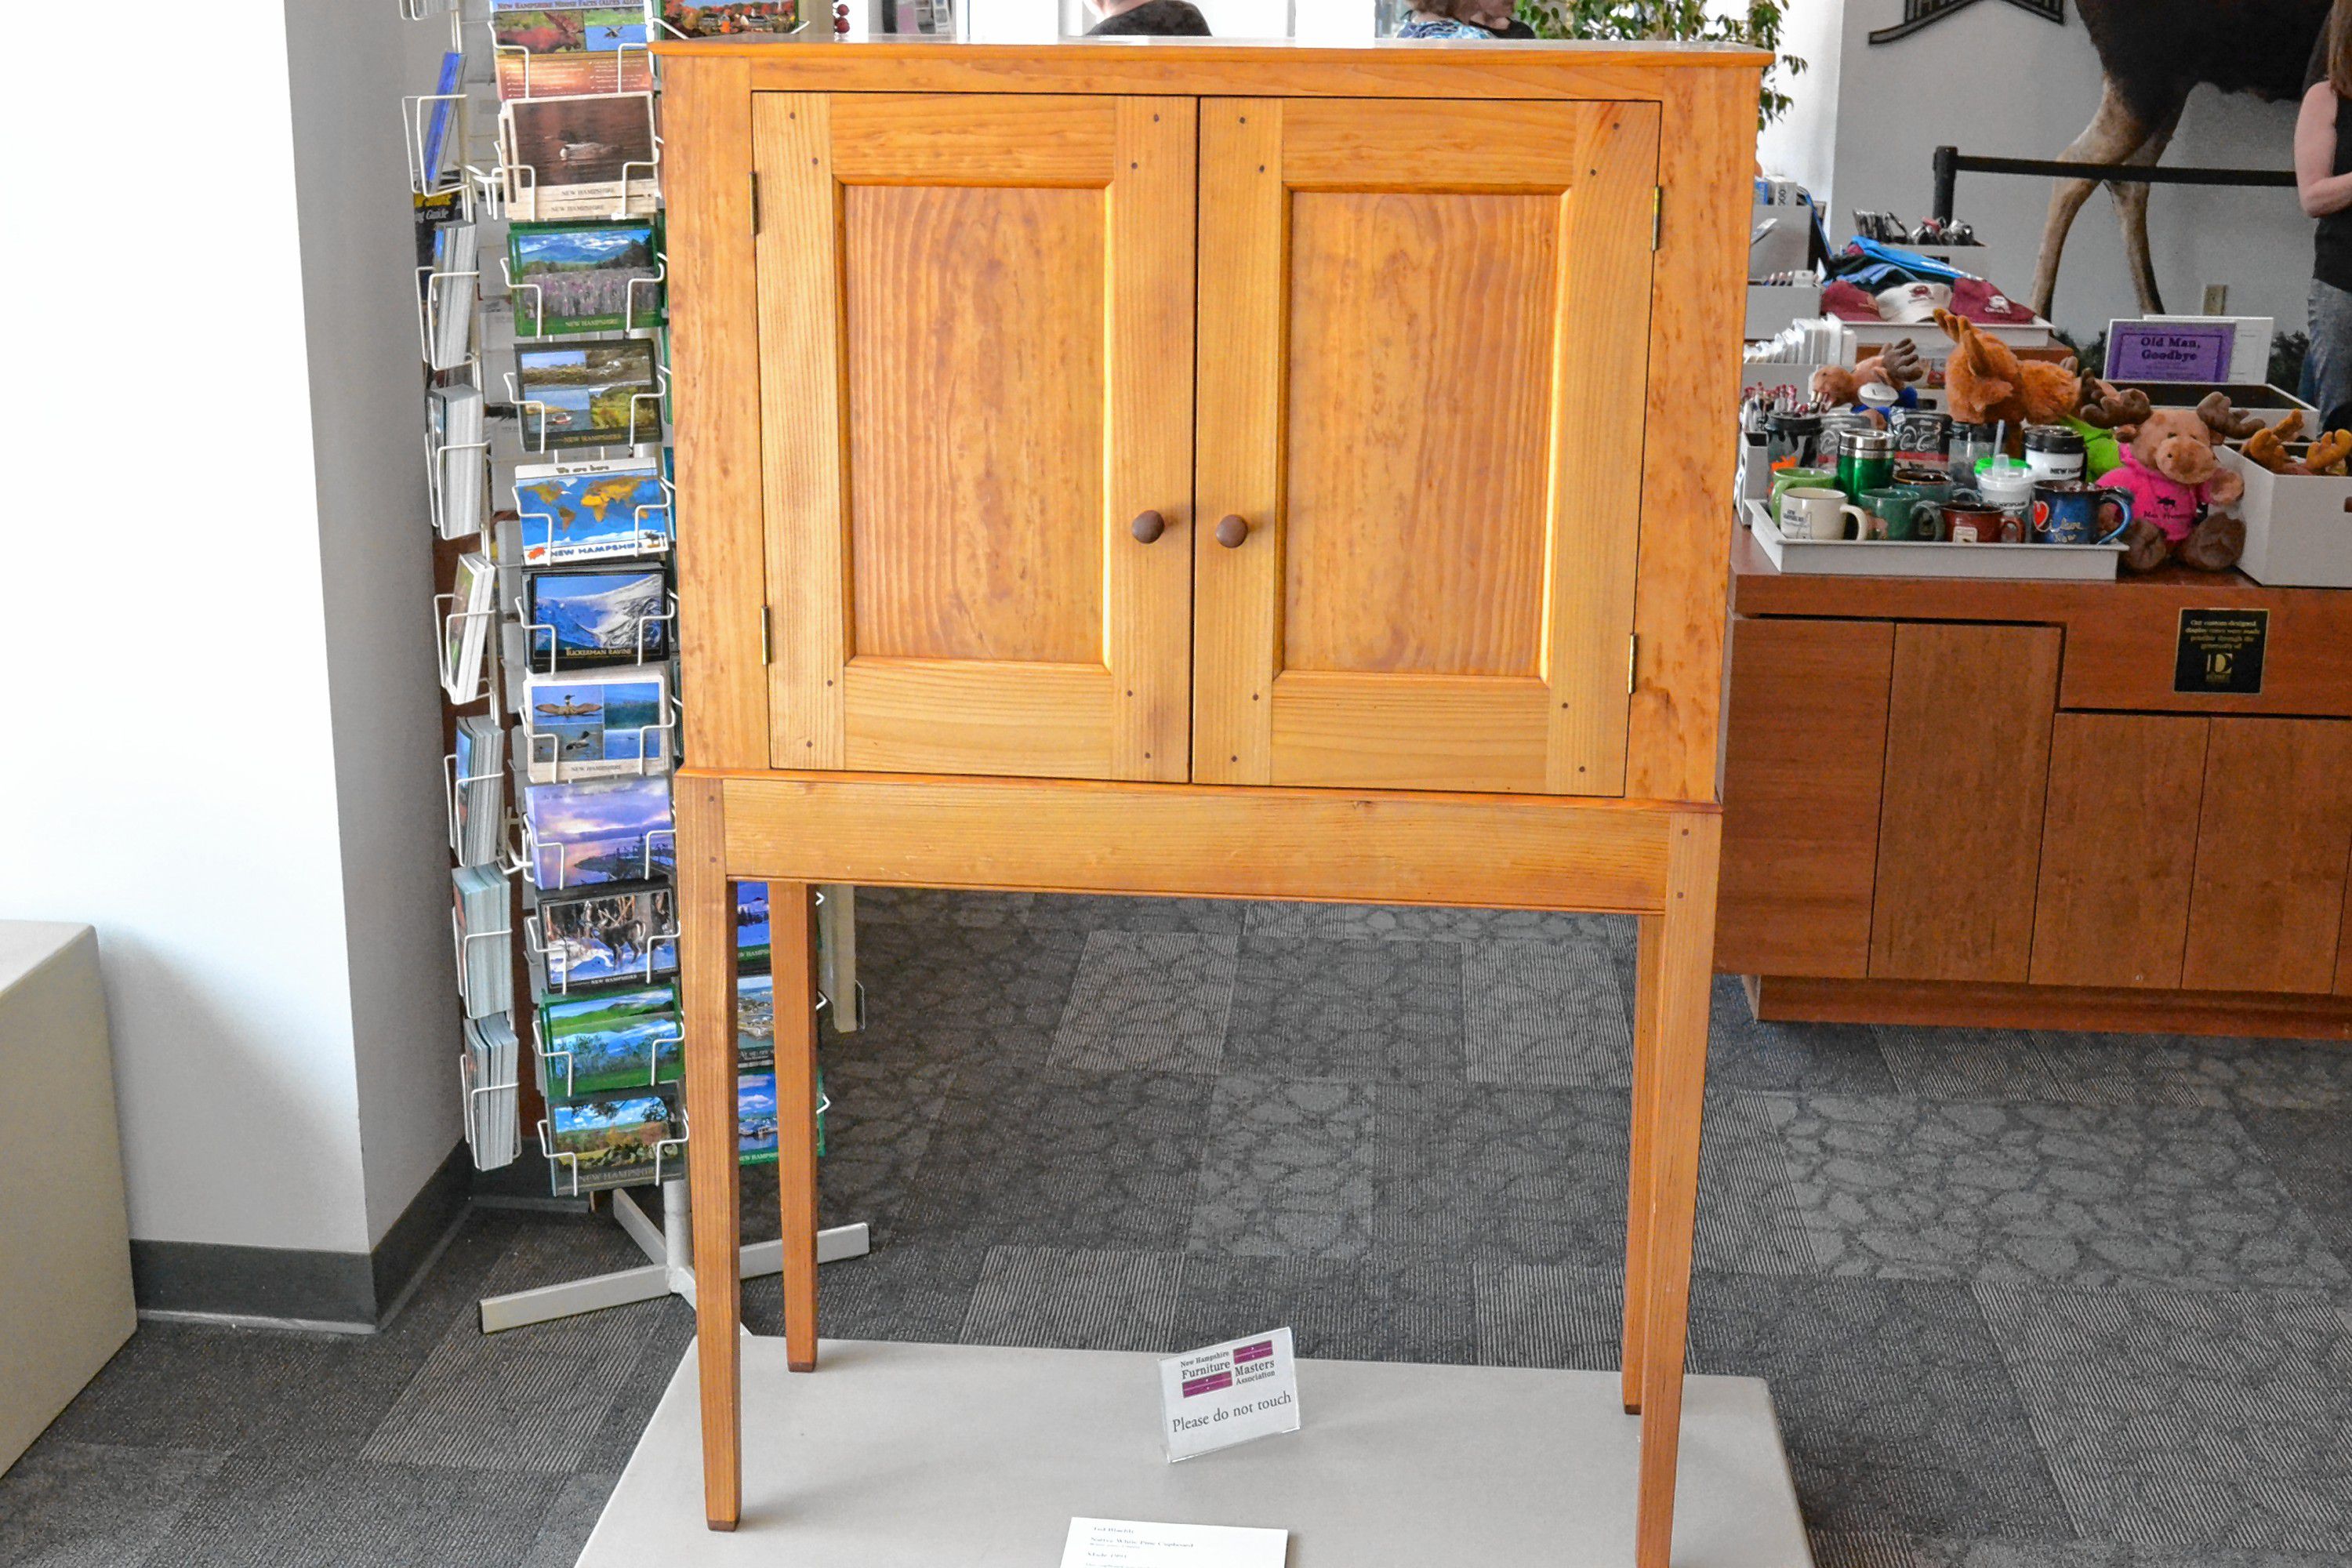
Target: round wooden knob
[
  {"x": 1147, "y": 526},
  {"x": 1232, "y": 532}
]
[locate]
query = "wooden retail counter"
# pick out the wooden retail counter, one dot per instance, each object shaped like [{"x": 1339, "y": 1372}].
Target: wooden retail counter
[{"x": 2039, "y": 805}]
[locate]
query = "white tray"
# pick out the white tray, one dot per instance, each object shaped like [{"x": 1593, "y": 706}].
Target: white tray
[{"x": 1890, "y": 558}]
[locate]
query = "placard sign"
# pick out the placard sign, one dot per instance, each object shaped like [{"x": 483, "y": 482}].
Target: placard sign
[
  {"x": 1131, "y": 1543},
  {"x": 2220, "y": 652},
  {"x": 2169, "y": 350},
  {"x": 1228, "y": 1393}
]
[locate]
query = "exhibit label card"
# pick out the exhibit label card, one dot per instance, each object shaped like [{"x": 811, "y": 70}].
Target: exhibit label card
[
  {"x": 1123, "y": 1543},
  {"x": 1228, "y": 1393}
]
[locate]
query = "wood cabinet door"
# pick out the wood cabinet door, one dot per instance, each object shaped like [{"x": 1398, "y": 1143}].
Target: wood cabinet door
[
  {"x": 2118, "y": 847},
  {"x": 1424, "y": 341},
  {"x": 975, "y": 333},
  {"x": 2273, "y": 838}
]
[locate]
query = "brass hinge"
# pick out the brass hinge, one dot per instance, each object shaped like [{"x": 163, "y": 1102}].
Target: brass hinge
[
  {"x": 755, "y": 204},
  {"x": 1657, "y": 214},
  {"x": 767, "y": 639},
  {"x": 1632, "y": 646}
]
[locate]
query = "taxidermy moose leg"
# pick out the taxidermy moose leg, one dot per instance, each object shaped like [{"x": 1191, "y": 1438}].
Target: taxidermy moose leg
[
  {"x": 2115, "y": 134},
  {"x": 2131, "y": 208}
]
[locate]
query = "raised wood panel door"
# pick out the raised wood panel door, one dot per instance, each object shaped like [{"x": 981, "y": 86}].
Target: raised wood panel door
[
  {"x": 976, "y": 365},
  {"x": 2118, "y": 848},
  {"x": 2266, "y": 906},
  {"x": 1959, "y": 822},
  {"x": 1422, "y": 331}
]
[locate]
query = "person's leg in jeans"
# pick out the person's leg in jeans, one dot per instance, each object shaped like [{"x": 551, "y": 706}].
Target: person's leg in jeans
[{"x": 2328, "y": 369}]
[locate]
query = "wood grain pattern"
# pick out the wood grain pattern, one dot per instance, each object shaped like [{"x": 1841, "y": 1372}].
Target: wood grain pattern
[
  {"x": 1430, "y": 732},
  {"x": 1959, "y": 834},
  {"x": 803, "y": 444},
  {"x": 1806, "y": 755},
  {"x": 707, "y": 989},
  {"x": 1695, "y": 305},
  {"x": 2344, "y": 947},
  {"x": 713, "y": 288},
  {"x": 1050, "y": 719},
  {"x": 1685, "y": 981},
  {"x": 1421, "y": 338},
  {"x": 2266, "y": 903},
  {"x": 2118, "y": 848},
  {"x": 793, "y": 948},
  {"x": 1635, "y": 1366},
  {"x": 948, "y": 139},
  {"x": 1405, "y": 847},
  {"x": 2267, "y": 1015},
  {"x": 976, "y": 421}
]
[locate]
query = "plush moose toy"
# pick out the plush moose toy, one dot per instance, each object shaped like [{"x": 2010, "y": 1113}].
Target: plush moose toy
[
  {"x": 2178, "y": 488},
  {"x": 1895, "y": 367},
  {"x": 2267, "y": 445},
  {"x": 1986, "y": 383}
]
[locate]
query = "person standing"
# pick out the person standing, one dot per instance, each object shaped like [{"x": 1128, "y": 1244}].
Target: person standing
[
  {"x": 2323, "y": 179},
  {"x": 1463, "y": 19},
  {"x": 1149, "y": 19}
]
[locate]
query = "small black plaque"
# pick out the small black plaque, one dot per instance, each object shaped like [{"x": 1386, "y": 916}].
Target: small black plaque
[{"x": 2221, "y": 652}]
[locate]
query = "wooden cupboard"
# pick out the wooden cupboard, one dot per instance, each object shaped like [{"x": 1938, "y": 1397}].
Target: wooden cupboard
[{"x": 1225, "y": 471}]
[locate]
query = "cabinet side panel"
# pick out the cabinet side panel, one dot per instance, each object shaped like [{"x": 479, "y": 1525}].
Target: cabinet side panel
[
  {"x": 1801, "y": 795},
  {"x": 722, "y": 579},
  {"x": 1960, "y": 826},
  {"x": 2118, "y": 849},
  {"x": 2265, "y": 911}
]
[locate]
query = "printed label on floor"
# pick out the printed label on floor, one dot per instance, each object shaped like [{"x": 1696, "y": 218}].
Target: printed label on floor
[
  {"x": 1228, "y": 1393},
  {"x": 1123, "y": 1544}
]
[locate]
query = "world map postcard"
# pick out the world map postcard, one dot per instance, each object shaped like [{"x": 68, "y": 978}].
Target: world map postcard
[
  {"x": 584, "y": 276},
  {"x": 627, "y": 1037},
  {"x": 609, "y": 934},
  {"x": 592, "y": 509},
  {"x": 590, "y": 617},
  {"x": 603, "y": 393},
  {"x": 614, "y": 1140},
  {"x": 596, "y": 726},
  {"x": 605, "y": 830}
]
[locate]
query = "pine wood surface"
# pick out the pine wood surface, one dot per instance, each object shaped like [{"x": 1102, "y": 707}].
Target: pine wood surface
[
  {"x": 2118, "y": 848},
  {"x": 2273, "y": 839},
  {"x": 706, "y": 905},
  {"x": 1982, "y": 1005}
]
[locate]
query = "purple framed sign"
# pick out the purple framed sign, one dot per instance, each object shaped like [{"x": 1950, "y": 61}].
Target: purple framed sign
[{"x": 2169, "y": 350}]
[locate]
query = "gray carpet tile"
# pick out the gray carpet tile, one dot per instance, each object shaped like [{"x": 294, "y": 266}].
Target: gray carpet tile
[
  {"x": 944, "y": 992},
  {"x": 1545, "y": 1013},
  {"x": 89, "y": 1505},
  {"x": 1369, "y": 923},
  {"x": 2197, "y": 1070},
  {"x": 926, "y": 908},
  {"x": 1998, "y": 1065},
  {"x": 286, "y": 1509},
  {"x": 1155, "y": 1000},
  {"x": 1547, "y": 1316},
  {"x": 1077, "y": 1300},
  {"x": 877, "y": 1134},
  {"x": 2112, "y": 1196},
  {"x": 1898, "y": 1408},
  {"x": 1065, "y": 1158},
  {"x": 563, "y": 1531},
  {"x": 1363, "y": 1310},
  {"x": 1748, "y": 1221},
  {"x": 1887, "y": 1549},
  {"x": 1388, "y": 1012},
  {"x": 2312, "y": 1153},
  {"x": 667, "y": 1331},
  {"x": 531, "y": 1398},
  {"x": 2179, "y": 1419},
  {"x": 1744, "y": 1052},
  {"x": 912, "y": 1290},
  {"x": 1290, "y": 1171}
]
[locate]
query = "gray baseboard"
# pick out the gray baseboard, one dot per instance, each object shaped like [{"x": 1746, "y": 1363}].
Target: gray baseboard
[{"x": 316, "y": 1288}]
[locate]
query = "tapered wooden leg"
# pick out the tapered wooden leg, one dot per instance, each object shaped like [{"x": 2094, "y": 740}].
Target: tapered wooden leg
[
  {"x": 791, "y": 933},
  {"x": 706, "y": 957},
  {"x": 1637, "y": 1207},
  {"x": 1685, "y": 978}
]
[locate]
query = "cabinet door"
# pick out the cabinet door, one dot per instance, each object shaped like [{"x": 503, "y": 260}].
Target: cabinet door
[
  {"x": 1423, "y": 346},
  {"x": 2272, "y": 842},
  {"x": 976, "y": 355},
  {"x": 1960, "y": 825},
  {"x": 2117, "y": 849}
]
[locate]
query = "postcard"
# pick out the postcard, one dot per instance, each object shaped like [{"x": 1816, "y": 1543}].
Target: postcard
[
  {"x": 604, "y": 830},
  {"x": 602, "y": 1040},
  {"x": 596, "y": 725},
  {"x": 587, "y": 509},
  {"x": 553, "y": 51},
  {"x": 589, "y": 155},
  {"x": 584, "y": 276},
  {"x": 613, "y": 1141},
  {"x": 755, "y": 1020},
  {"x": 604, "y": 392},
  {"x": 751, "y": 925},
  {"x": 730, "y": 18},
  {"x": 592, "y": 617},
  {"x": 609, "y": 933},
  {"x": 755, "y": 1118}
]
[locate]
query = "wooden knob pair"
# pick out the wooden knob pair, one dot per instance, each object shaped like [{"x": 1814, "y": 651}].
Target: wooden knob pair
[{"x": 1148, "y": 526}]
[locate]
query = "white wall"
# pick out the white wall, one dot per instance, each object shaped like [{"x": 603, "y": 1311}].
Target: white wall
[
  {"x": 1995, "y": 79},
  {"x": 182, "y": 775}
]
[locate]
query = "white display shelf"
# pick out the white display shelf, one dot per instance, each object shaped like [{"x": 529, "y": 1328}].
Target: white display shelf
[{"x": 1892, "y": 558}]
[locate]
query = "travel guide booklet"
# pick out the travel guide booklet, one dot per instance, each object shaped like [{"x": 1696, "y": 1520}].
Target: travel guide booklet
[
  {"x": 603, "y": 392},
  {"x": 607, "y": 933},
  {"x": 603, "y": 830},
  {"x": 466, "y": 626},
  {"x": 591, "y": 508},
  {"x": 580, "y": 618},
  {"x": 590, "y": 156},
  {"x": 614, "y": 1140},
  {"x": 607, "y": 1039},
  {"x": 596, "y": 725},
  {"x": 459, "y": 477},
  {"x": 584, "y": 276},
  {"x": 547, "y": 52}
]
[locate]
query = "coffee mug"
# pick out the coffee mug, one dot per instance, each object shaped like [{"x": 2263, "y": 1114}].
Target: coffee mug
[
  {"x": 1786, "y": 479},
  {"x": 2069, "y": 511},
  {"x": 1816, "y": 513},
  {"x": 1904, "y": 513},
  {"x": 1974, "y": 522}
]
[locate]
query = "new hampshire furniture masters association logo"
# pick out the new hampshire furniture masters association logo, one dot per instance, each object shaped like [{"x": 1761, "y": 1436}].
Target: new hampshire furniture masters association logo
[{"x": 1918, "y": 14}]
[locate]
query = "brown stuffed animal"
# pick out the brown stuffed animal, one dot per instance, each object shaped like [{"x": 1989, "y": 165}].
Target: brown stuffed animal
[
  {"x": 2224, "y": 419},
  {"x": 2330, "y": 454},
  {"x": 1986, "y": 383},
  {"x": 2178, "y": 488},
  {"x": 2267, "y": 446},
  {"x": 1895, "y": 366},
  {"x": 2107, "y": 408}
]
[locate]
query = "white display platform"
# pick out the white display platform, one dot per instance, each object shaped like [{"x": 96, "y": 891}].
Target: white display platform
[{"x": 921, "y": 1455}]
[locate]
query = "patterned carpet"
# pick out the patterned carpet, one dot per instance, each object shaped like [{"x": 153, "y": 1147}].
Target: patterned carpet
[{"x": 2024, "y": 1300}]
